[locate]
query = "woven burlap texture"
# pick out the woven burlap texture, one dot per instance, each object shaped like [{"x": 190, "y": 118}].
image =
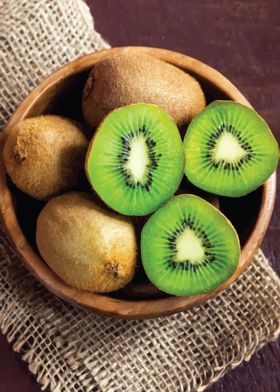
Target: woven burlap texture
[{"x": 68, "y": 349}]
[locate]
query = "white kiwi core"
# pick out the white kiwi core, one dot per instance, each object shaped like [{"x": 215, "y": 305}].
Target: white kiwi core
[
  {"x": 138, "y": 158},
  {"x": 228, "y": 149},
  {"x": 189, "y": 247}
]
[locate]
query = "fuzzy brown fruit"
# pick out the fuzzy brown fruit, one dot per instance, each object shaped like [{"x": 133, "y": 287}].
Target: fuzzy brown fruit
[
  {"x": 44, "y": 155},
  {"x": 126, "y": 78},
  {"x": 88, "y": 247}
]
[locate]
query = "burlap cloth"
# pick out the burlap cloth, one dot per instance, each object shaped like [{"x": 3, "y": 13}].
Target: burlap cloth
[{"x": 68, "y": 349}]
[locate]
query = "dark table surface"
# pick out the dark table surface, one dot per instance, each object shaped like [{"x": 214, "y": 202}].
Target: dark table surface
[{"x": 240, "y": 39}]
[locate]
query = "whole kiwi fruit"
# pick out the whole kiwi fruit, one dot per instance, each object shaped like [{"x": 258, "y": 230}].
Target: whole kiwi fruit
[
  {"x": 127, "y": 78},
  {"x": 87, "y": 247},
  {"x": 44, "y": 155}
]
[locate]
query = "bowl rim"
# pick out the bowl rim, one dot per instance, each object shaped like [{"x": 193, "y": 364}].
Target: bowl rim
[{"x": 102, "y": 303}]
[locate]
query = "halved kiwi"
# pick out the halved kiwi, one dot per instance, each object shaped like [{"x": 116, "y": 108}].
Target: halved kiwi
[
  {"x": 189, "y": 247},
  {"x": 142, "y": 287},
  {"x": 135, "y": 161},
  {"x": 229, "y": 149}
]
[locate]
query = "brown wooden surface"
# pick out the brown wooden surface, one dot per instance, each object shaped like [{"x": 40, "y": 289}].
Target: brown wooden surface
[{"x": 241, "y": 40}]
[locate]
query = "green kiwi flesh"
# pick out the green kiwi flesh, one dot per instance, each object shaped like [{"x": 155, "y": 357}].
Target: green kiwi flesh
[
  {"x": 188, "y": 247},
  {"x": 229, "y": 149},
  {"x": 135, "y": 161}
]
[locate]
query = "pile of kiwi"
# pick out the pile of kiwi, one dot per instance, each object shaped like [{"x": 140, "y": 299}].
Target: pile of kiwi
[{"x": 152, "y": 137}]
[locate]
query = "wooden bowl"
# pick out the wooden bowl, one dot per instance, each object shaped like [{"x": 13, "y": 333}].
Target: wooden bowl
[{"x": 61, "y": 93}]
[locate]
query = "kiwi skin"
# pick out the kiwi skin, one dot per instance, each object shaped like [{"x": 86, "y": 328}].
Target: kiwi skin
[
  {"x": 87, "y": 247},
  {"x": 44, "y": 155},
  {"x": 126, "y": 78}
]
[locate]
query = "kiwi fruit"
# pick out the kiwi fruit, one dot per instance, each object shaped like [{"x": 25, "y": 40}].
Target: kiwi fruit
[
  {"x": 229, "y": 150},
  {"x": 45, "y": 155},
  {"x": 87, "y": 247},
  {"x": 189, "y": 247},
  {"x": 127, "y": 78},
  {"x": 135, "y": 161},
  {"x": 141, "y": 286}
]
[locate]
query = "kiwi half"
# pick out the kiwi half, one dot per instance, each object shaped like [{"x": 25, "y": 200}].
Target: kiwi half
[
  {"x": 189, "y": 247},
  {"x": 142, "y": 287},
  {"x": 135, "y": 161},
  {"x": 229, "y": 149}
]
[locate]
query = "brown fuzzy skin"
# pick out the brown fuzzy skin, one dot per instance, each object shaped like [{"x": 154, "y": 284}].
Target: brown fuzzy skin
[
  {"x": 123, "y": 79},
  {"x": 88, "y": 247},
  {"x": 44, "y": 155}
]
